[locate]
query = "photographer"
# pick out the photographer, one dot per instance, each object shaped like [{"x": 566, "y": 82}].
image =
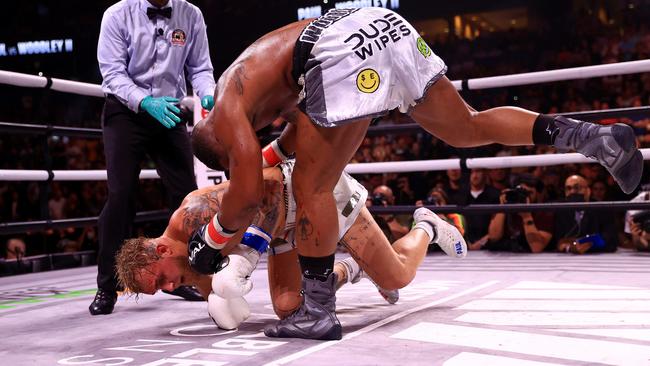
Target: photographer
[
  {"x": 637, "y": 224},
  {"x": 383, "y": 196},
  {"x": 580, "y": 232},
  {"x": 523, "y": 231}
]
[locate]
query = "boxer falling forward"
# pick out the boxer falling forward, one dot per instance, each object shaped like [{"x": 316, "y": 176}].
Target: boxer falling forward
[{"x": 146, "y": 265}]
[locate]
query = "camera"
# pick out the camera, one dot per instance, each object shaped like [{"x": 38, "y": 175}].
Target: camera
[
  {"x": 433, "y": 201},
  {"x": 643, "y": 219},
  {"x": 516, "y": 195},
  {"x": 378, "y": 199}
]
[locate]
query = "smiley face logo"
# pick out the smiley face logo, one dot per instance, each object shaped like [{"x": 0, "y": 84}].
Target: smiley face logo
[
  {"x": 368, "y": 81},
  {"x": 423, "y": 47}
]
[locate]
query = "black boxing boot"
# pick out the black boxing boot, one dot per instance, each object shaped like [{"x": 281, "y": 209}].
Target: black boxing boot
[
  {"x": 316, "y": 317},
  {"x": 189, "y": 293},
  {"x": 103, "y": 303},
  {"x": 614, "y": 146}
]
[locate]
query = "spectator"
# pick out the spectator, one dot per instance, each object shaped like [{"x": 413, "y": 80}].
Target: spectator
[
  {"x": 579, "y": 231},
  {"x": 405, "y": 195},
  {"x": 16, "y": 249},
  {"x": 453, "y": 188},
  {"x": 637, "y": 223},
  {"x": 499, "y": 178},
  {"x": 599, "y": 191},
  {"x": 523, "y": 231},
  {"x": 11, "y": 263},
  {"x": 383, "y": 196},
  {"x": 57, "y": 201},
  {"x": 476, "y": 232}
]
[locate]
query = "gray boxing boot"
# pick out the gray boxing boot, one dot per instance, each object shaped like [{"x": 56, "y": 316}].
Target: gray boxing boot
[
  {"x": 614, "y": 146},
  {"x": 316, "y": 317}
]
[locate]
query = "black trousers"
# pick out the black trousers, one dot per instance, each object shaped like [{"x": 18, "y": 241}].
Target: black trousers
[{"x": 128, "y": 136}]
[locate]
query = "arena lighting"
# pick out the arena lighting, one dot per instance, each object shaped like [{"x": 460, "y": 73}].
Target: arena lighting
[
  {"x": 316, "y": 11},
  {"x": 46, "y": 46}
]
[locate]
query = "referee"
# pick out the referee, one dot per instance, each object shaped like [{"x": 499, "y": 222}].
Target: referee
[{"x": 145, "y": 49}]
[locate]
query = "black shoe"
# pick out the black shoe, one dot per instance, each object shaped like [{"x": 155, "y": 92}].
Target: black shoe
[
  {"x": 104, "y": 302},
  {"x": 189, "y": 293}
]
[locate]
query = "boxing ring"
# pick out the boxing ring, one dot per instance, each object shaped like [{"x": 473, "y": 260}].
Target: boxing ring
[{"x": 489, "y": 308}]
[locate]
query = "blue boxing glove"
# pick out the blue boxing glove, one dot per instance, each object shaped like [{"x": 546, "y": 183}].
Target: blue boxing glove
[
  {"x": 207, "y": 102},
  {"x": 162, "y": 109},
  {"x": 233, "y": 279}
]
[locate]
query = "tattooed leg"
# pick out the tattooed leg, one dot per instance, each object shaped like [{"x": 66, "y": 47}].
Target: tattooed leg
[{"x": 391, "y": 267}]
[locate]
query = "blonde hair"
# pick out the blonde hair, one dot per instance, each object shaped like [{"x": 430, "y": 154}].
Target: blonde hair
[{"x": 136, "y": 254}]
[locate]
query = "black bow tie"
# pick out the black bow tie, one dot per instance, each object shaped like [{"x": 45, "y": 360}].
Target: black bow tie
[{"x": 164, "y": 12}]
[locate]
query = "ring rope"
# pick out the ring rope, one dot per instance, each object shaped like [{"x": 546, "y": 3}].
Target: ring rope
[
  {"x": 593, "y": 115},
  {"x": 518, "y": 207},
  {"x": 160, "y": 215},
  {"x": 572, "y": 73},
  {"x": 356, "y": 168},
  {"x": 12, "y": 228}
]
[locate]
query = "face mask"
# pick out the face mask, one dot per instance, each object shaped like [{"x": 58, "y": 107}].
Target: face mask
[{"x": 575, "y": 197}]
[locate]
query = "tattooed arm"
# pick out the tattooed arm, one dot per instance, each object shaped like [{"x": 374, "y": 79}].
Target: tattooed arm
[{"x": 200, "y": 206}]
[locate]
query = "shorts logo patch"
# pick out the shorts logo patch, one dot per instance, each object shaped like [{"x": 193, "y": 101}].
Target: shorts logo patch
[
  {"x": 178, "y": 37},
  {"x": 368, "y": 81},
  {"x": 423, "y": 47}
]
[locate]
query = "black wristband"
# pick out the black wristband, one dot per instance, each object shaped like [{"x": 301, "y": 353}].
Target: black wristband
[{"x": 282, "y": 149}]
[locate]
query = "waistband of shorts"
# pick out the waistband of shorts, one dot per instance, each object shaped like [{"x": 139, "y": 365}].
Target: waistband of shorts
[
  {"x": 302, "y": 49},
  {"x": 301, "y": 52}
]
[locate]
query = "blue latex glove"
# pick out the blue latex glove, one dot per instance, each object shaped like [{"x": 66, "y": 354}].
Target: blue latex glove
[
  {"x": 162, "y": 109},
  {"x": 207, "y": 102}
]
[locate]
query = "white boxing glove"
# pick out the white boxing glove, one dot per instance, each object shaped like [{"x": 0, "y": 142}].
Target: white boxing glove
[
  {"x": 233, "y": 280},
  {"x": 228, "y": 313}
]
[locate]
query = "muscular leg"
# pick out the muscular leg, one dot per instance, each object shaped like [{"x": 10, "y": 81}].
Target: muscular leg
[
  {"x": 391, "y": 267},
  {"x": 321, "y": 155},
  {"x": 284, "y": 279},
  {"x": 445, "y": 114},
  {"x": 284, "y": 275}
]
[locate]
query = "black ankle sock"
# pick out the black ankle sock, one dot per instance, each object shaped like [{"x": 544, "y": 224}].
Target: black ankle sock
[
  {"x": 317, "y": 268},
  {"x": 544, "y": 130}
]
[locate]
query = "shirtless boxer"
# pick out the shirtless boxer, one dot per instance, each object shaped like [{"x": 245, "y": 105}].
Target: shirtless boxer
[
  {"x": 329, "y": 77},
  {"x": 145, "y": 265}
]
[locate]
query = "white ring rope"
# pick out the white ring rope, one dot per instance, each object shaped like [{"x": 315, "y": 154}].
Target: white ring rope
[
  {"x": 358, "y": 168},
  {"x": 573, "y": 73},
  {"x": 629, "y": 67},
  {"x": 65, "y": 86},
  {"x": 64, "y": 175},
  {"x": 473, "y": 163}
]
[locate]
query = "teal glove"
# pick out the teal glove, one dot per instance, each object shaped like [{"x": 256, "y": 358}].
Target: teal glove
[
  {"x": 207, "y": 102},
  {"x": 162, "y": 109}
]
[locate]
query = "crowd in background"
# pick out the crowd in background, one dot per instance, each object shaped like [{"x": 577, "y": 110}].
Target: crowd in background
[{"x": 587, "y": 41}]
